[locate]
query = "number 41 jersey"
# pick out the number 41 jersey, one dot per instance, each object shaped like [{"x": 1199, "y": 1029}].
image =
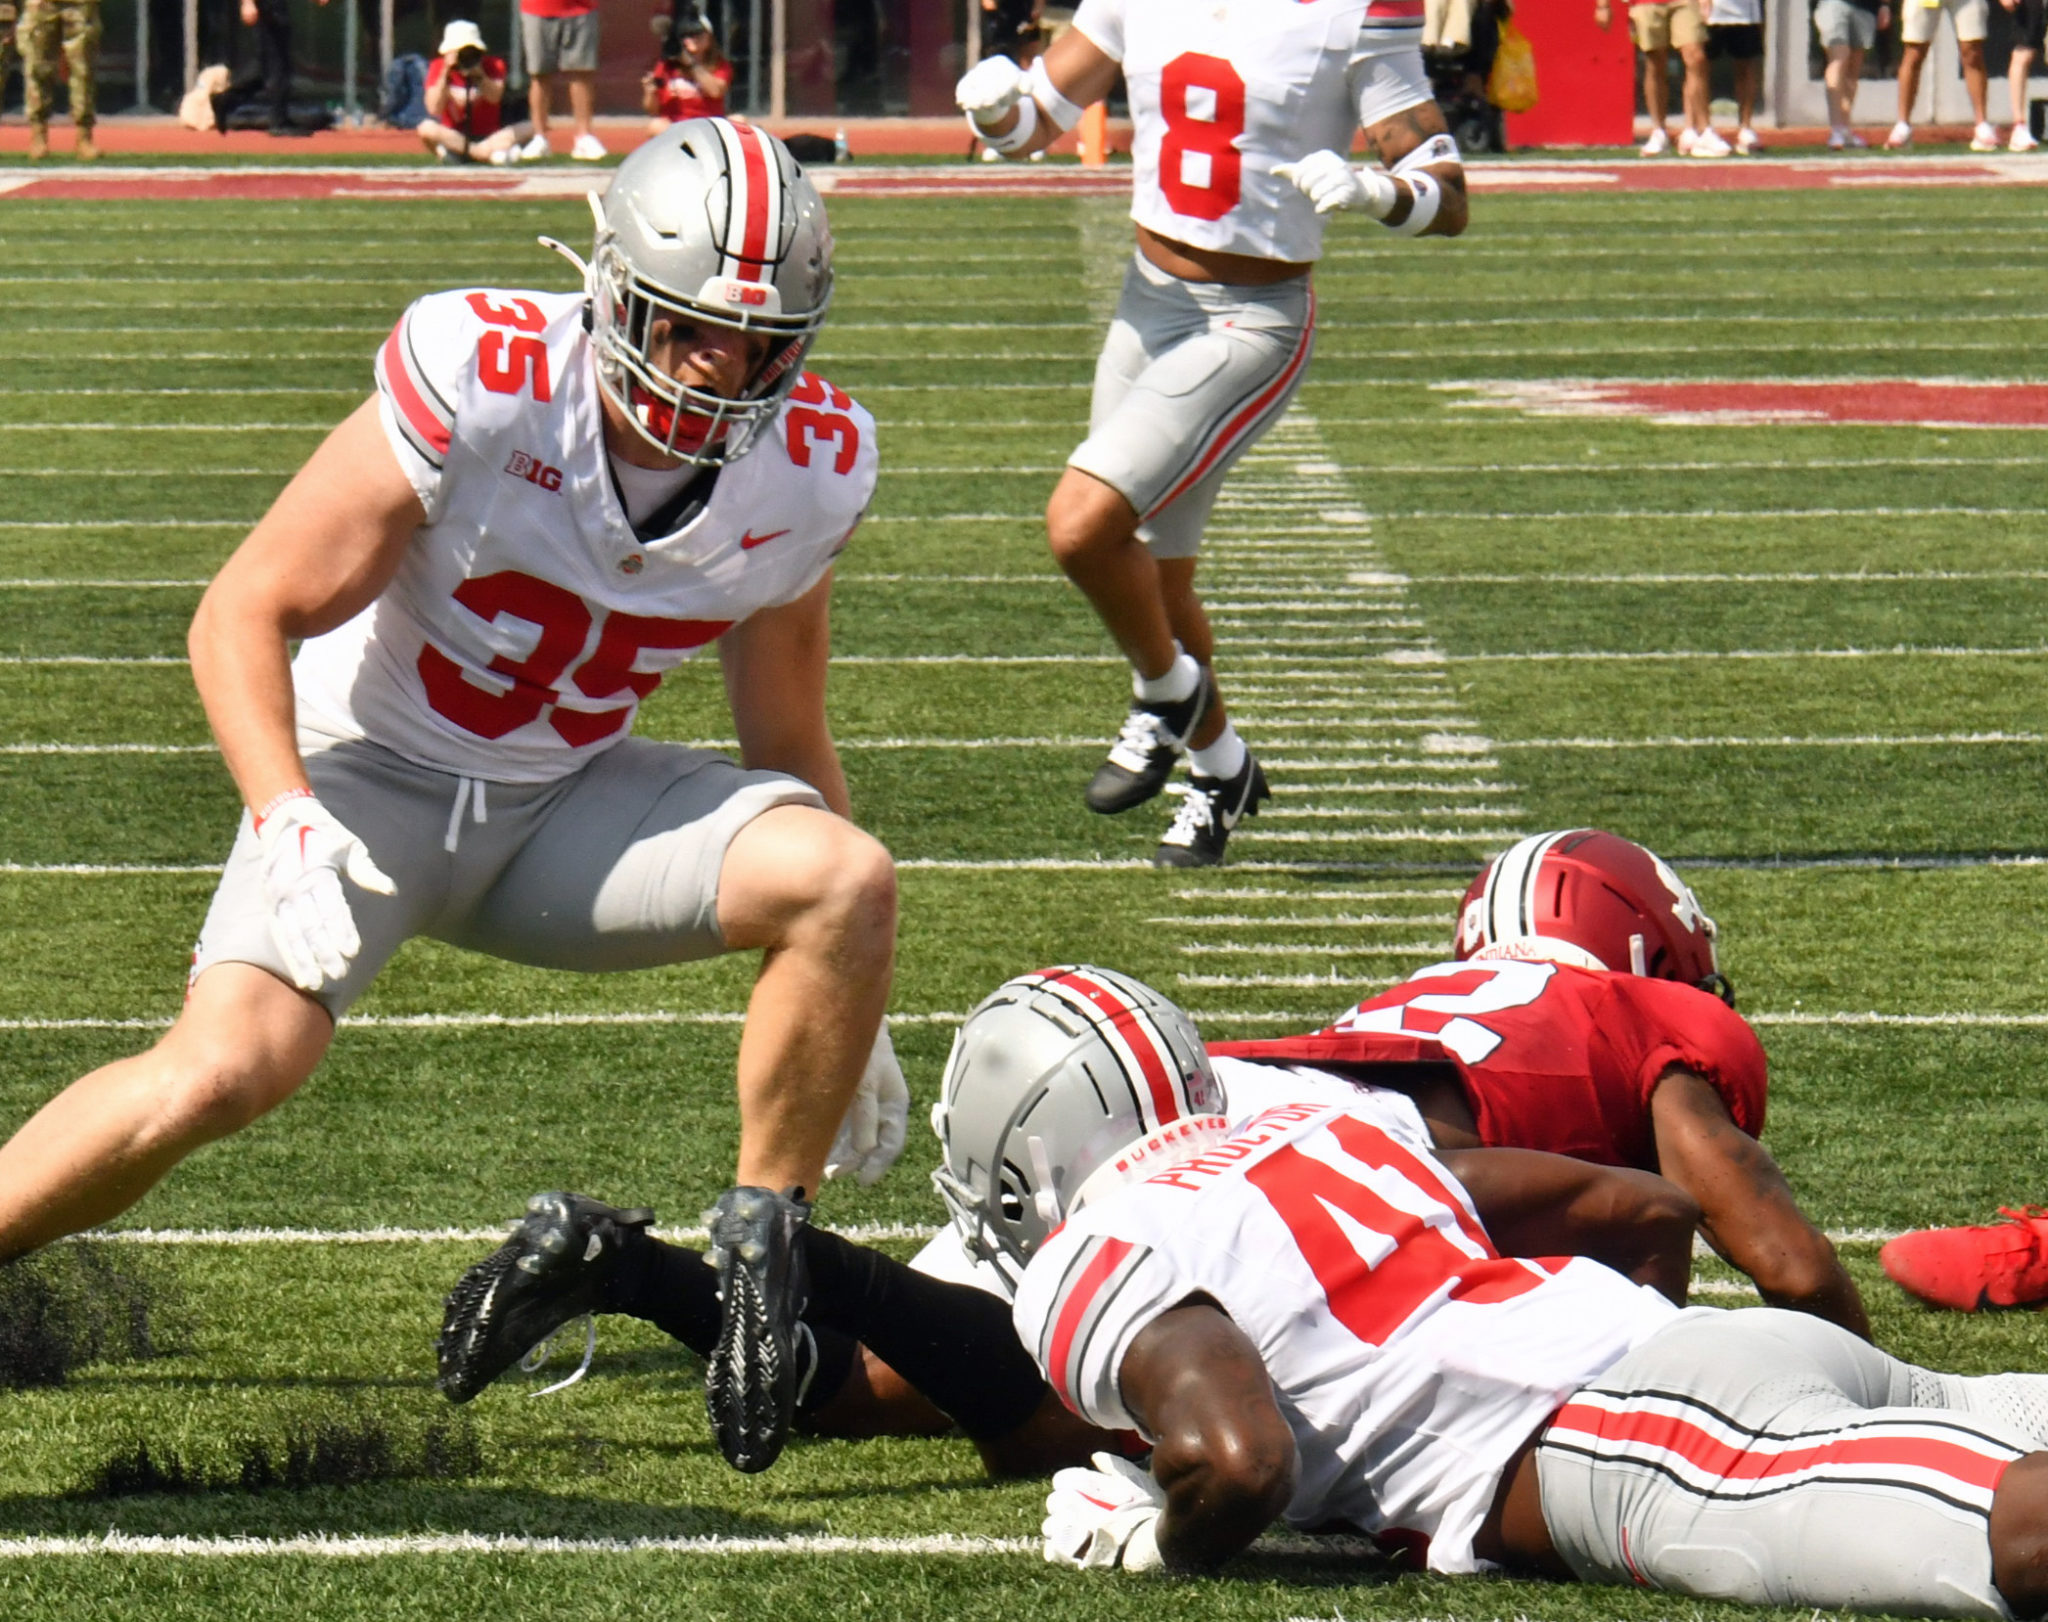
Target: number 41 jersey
[
  {"x": 527, "y": 619},
  {"x": 1409, "y": 1359},
  {"x": 1222, "y": 90}
]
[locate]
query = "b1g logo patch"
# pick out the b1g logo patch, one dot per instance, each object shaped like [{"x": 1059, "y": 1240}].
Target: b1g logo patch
[{"x": 534, "y": 471}]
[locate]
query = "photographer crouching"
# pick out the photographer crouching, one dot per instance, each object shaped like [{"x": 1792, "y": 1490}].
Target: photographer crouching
[
  {"x": 693, "y": 75},
  {"x": 468, "y": 118}
]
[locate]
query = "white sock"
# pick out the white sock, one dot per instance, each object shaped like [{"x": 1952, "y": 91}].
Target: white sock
[
  {"x": 1179, "y": 682},
  {"x": 1224, "y": 758}
]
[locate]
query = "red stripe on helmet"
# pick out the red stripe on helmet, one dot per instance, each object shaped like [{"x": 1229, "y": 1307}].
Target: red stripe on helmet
[
  {"x": 754, "y": 233},
  {"x": 1066, "y": 1325},
  {"x": 1138, "y": 1035}
]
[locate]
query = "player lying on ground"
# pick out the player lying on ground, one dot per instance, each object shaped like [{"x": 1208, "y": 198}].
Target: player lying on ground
[
  {"x": 1528, "y": 1042},
  {"x": 1240, "y": 119},
  {"x": 550, "y": 500},
  {"x": 893, "y": 1349},
  {"x": 1308, "y": 1319}
]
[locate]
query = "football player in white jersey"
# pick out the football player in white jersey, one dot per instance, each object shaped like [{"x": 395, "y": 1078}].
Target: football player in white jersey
[
  {"x": 549, "y": 502},
  {"x": 1308, "y": 1317},
  {"x": 1242, "y": 113}
]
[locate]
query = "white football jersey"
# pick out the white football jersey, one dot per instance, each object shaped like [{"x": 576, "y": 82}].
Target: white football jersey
[
  {"x": 1409, "y": 1359},
  {"x": 1222, "y": 90},
  {"x": 527, "y": 620}
]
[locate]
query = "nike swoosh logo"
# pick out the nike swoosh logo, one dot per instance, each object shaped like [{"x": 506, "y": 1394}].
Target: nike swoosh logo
[{"x": 750, "y": 540}]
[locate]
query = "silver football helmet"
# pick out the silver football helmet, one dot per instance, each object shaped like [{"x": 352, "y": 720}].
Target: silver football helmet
[
  {"x": 709, "y": 221},
  {"x": 1060, "y": 1084}
]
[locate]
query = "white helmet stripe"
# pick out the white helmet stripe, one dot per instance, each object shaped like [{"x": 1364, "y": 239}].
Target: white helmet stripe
[{"x": 1510, "y": 887}]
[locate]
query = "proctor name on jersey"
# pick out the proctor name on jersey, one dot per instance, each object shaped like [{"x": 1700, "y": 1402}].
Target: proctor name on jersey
[{"x": 527, "y": 620}]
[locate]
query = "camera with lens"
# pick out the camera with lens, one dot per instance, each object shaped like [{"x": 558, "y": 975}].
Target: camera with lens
[
  {"x": 683, "y": 22},
  {"x": 469, "y": 60}
]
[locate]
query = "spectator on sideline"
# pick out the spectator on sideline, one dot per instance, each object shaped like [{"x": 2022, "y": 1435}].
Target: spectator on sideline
[
  {"x": 9, "y": 56},
  {"x": 43, "y": 23},
  {"x": 1735, "y": 30},
  {"x": 560, "y": 39},
  {"x": 1847, "y": 30},
  {"x": 466, "y": 108},
  {"x": 272, "y": 19},
  {"x": 1916, "y": 32},
  {"x": 692, "y": 78},
  {"x": 2029, "y": 24},
  {"x": 1656, "y": 26}
]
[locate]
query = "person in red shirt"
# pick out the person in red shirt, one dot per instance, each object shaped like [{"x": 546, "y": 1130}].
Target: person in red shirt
[
  {"x": 466, "y": 108},
  {"x": 692, "y": 78}
]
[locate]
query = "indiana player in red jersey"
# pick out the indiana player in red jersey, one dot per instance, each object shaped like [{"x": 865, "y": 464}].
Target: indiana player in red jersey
[
  {"x": 1241, "y": 114},
  {"x": 549, "y": 502},
  {"x": 1310, "y": 1319},
  {"x": 1586, "y": 1014}
]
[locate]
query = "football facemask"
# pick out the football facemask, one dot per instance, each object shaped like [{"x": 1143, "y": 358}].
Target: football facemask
[
  {"x": 1062, "y": 1084},
  {"x": 1594, "y": 900}
]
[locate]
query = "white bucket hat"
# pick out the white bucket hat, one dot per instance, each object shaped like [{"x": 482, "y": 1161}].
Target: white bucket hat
[{"x": 458, "y": 36}]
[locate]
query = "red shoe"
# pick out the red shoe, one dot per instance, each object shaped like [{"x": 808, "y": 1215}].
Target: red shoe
[{"x": 2003, "y": 1265}]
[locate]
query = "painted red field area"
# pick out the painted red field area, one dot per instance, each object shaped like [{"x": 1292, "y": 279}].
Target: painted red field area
[
  {"x": 1003, "y": 180},
  {"x": 1880, "y": 401}
]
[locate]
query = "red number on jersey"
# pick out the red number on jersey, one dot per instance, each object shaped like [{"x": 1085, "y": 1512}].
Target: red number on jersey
[
  {"x": 507, "y": 365},
  {"x": 521, "y": 314},
  {"x": 1374, "y": 1298},
  {"x": 563, "y": 620},
  {"x": 807, "y": 429},
  {"x": 1443, "y": 1005},
  {"x": 1210, "y": 135},
  {"x": 811, "y": 389}
]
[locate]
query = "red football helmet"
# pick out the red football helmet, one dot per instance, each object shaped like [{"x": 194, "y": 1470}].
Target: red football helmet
[{"x": 1595, "y": 900}]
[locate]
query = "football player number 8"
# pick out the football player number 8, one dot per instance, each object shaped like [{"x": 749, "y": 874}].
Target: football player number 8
[{"x": 1200, "y": 169}]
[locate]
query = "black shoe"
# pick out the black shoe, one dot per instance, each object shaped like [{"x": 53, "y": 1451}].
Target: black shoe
[
  {"x": 1154, "y": 736},
  {"x": 553, "y": 1268},
  {"x": 1213, "y": 807},
  {"x": 750, "y": 1383}
]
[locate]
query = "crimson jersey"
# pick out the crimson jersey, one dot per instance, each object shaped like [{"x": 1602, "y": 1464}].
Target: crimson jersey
[
  {"x": 528, "y": 618},
  {"x": 1550, "y": 1056},
  {"x": 1409, "y": 1358}
]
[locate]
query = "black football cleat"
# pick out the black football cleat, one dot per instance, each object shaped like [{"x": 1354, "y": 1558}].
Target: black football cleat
[
  {"x": 750, "y": 1381},
  {"x": 554, "y": 1268},
  {"x": 1153, "y": 738},
  {"x": 1212, "y": 809}
]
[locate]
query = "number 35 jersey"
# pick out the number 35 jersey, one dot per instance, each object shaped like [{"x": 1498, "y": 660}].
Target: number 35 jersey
[
  {"x": 1409, "y": 1359},
  {"x": 1548, "y": 1056},
  {"x": 1222, "y": 90},
  {"x": 527, "y": 619}
]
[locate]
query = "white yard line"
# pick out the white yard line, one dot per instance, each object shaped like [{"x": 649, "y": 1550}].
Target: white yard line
[{"x": 364, "y": 1547}]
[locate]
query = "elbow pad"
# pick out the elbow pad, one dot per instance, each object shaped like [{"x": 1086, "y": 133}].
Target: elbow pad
[{"x": 1062, "y": 113}]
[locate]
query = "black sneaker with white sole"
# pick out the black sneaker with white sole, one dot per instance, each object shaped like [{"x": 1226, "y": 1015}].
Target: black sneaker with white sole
[
  {"x": 750, "y": 1382},
  {"x": 1212, "y": 809},
  {"x": 1153, "y": 738},
  {"x": 554, "y": 1268}
]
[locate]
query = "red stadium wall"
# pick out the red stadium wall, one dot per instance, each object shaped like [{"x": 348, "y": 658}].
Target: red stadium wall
[{"x": 1585, "y": 78}]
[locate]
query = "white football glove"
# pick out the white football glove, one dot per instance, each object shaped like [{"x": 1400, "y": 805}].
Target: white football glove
[
  {"x": 877, "y": 1121},
  {"x": 991, "y": 88},
  {"x": 1104, "y": 1517},
  {"x": 1328, "y": 180},
  {"x": 305, "y": 852}
]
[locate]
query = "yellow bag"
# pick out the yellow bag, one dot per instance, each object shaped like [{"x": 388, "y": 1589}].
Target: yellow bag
[{"x": 1511, "y": 86}]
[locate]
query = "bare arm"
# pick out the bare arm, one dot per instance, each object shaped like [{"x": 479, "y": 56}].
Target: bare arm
[
  {"x": 1537, "y": 1204},
  {"x": 1224, "y": 1454},
  {"x": 1394, "y": 138},
  {"x": 329, "y": 544},
  {"x": 1747, "y": 1209},
  {"x": 1079, "y": 71},
  {"x": 436, "y": 97},
  {"x": 775, "y": 666}
]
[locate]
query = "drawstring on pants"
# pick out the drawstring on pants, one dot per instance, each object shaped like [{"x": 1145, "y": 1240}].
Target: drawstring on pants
[{"x": 469, "y": 791}]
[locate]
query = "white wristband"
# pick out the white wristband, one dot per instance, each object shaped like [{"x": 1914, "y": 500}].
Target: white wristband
[
  {"x": 1429, "y": 197},
  {"x": 1018, "y": 134},
  {"x": 1437, "y": 149},
  {"x": 1062, "y": 112}
]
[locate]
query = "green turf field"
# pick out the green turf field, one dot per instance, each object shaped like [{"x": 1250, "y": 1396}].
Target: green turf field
[{"x": 1805, "y": 662}]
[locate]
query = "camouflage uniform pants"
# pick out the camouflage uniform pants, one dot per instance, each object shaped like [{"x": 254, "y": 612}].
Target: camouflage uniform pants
[
  {"x": 9, "y": 56},
  {"x": 42, "y": 24}
]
